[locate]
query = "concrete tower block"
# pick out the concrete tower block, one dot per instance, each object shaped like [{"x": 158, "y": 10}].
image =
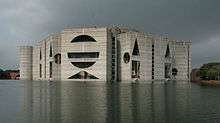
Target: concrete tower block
[{"x": 25, "y": 53}]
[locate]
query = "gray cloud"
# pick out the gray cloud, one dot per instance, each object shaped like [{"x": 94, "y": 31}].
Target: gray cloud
[{"x": 26, "y": 21}]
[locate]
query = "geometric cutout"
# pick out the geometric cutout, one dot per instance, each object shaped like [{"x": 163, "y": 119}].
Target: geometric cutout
[
  {"x": 83, "y": 38},
  {"x": 51, "y": 69},
  {"x": 40, "y": 55},
  {"x": 83, "y": 64},
  {"x": 126, "y": 57},
  {"x": 51, "y": 51},
  {"x": 83, "y": 75},
  {"x": 136, "y": 49},
  {"x": 167, "y": 51},
  {"x": 174, "y": 71},
  {"x": 135, "y": 69},
  {"x": 83, "y": 55},
  {"x": 167, "y": 70},
  {"x": 57, "y": 58}
]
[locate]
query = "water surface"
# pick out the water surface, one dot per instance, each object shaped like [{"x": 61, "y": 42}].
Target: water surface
[{"x": 93, "y": 102}]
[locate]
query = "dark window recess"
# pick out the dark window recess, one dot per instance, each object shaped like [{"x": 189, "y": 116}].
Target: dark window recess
[
  {"x": 51, "y": 51},
  {"x": 83, "y": 75},
  {"x": 57, "y": 58},
  {"x": 152, "y": 61},
  {"x": 83, "y": 38},
  {"x": 136, "y": 49},
  {"x": 126, "y": 57},
  {"x": 167, "y": 51},
  {"x": 113, "y": 38},
  {"x": 174, "y": 71},
  {"x": 40, "y": 55},
  {"x": 135, "y": 69},
  {"x": 83, "y": 64},
  {"x": 51, "y": 69},
  {"x": 113, "y": 64},
  {"x": 167, "y": 70},
  {"x": 83, "y": 55},
  {"x": 40, "y": 70}
]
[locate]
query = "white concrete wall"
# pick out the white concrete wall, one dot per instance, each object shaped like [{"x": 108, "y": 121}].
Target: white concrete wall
[
  {"x": 44, "y": 47},
  {"x": 61, "y": 43},
  {"x": 25, "y": 53},
  {"x": 125, "y": 46},
  {"x": 183, "y": 60},
  {"x": 99, "y": 69},
  {"x": 56, "y": 50},
  {"x": 145, "y": 50},
  {"x": 36, "y": 62}
]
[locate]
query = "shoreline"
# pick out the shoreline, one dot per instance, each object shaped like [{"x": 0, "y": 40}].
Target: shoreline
[{"x": 209, "y": 83}]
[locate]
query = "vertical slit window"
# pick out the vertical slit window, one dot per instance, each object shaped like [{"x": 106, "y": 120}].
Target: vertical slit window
[
  {"x": 40, "y": 54},
  {"x": 51, "y": 69},
  {"x": 51, "y": 51},
  {"x": 40, "y": 70}
]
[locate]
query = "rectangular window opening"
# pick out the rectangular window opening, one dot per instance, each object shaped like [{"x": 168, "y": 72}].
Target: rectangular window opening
[{"x": 51, "y": 69}]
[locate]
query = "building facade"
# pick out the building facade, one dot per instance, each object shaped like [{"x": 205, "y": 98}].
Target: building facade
[{"x": 105, "y": 54}]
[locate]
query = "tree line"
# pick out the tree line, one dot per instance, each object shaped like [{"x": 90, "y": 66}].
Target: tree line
[{"x": 210, "y": 71}]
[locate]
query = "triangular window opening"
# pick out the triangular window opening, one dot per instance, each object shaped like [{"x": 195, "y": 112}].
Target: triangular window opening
[
  {"x": 83, "y": 75},
  {"x": 167, "y": 55},
  {"x": 136, "y": 49}
]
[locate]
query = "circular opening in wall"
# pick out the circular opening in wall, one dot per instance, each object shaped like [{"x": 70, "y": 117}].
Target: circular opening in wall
[
  {"x": 126, "y": 57},
  {"x": 57, "y": 58}
]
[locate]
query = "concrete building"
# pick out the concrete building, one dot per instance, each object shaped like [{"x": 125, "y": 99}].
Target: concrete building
[{"x": 105, "y": 54}]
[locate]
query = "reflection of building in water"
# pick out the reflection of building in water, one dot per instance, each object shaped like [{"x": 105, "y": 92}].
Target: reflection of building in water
[
  {"x": 83, "y": 103},
  {"x": 104, "y": 54},
  {"x": 58, "y": 102},
  {"x": 113, "y": 103},
  {"x": 64, "y": 103},
  {"x": 41, "y": 102}
]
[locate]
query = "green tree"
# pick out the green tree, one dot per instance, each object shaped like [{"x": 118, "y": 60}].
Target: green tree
[{"x": 210, "y": 71}]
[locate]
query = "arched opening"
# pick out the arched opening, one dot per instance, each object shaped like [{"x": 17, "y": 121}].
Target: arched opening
[{"x": 83, "y": 38}]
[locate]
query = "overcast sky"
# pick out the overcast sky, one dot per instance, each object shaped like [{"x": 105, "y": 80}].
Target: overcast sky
[{"x": 26, "y": 21}]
